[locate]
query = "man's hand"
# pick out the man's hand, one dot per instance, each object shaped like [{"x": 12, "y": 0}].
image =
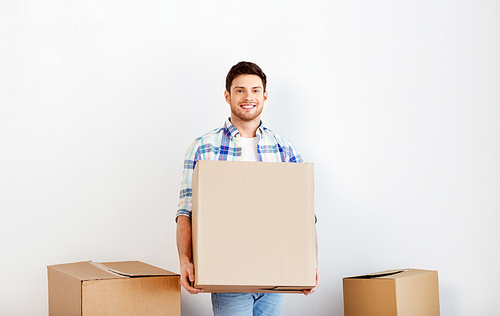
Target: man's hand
[
  {"x": 311, "y": 291},
  {"x": 184, "y": 245},
  {"x": 187, "y": 278}
]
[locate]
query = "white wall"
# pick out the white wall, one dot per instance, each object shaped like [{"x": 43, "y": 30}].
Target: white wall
[{"x": 397, "y": 103}]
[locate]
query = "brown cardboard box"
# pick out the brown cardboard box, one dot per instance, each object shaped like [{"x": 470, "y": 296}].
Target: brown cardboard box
[
  {"x": 253, "y": 226},
  {"x": 409, "y": 292},
  {"x": 112, "y": 288}
]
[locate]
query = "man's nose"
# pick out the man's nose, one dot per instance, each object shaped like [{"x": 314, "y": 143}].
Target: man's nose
[{"x": 248, "y": 95}]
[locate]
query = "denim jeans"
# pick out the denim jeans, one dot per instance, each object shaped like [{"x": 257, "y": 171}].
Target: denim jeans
[{"x": 247, "y": 304}]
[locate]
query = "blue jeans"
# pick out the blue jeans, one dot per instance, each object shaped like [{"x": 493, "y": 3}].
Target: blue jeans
[{"x": 247, "y": 304}]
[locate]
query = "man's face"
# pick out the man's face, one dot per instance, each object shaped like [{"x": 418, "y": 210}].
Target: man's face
[{"x": 246, "y": 98}]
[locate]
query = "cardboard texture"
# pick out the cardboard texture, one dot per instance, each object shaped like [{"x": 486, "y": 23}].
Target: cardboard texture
[
  {"x": 253, "y": 226},
  {"x": 406, "y": 292},
  {"x": 112, "y": 288}
]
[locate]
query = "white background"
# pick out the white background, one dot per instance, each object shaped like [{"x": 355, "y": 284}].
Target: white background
[{"x": 396, "y": 102}]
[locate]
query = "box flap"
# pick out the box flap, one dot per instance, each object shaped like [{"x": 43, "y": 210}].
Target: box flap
[
  {"x": 412, "y": 272},
  {"x": 255, "y": 289},
  {"x": 89, "y": 270},
  {"x": 389, "y": 274},
  {"x": 392, "y": 274},
  {"x": 135, "y": 269},
  {"x": 84, "y": 271}
]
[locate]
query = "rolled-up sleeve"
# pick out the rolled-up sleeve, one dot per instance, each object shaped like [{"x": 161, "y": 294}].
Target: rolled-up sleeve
[{"x": 186, "y": 192}]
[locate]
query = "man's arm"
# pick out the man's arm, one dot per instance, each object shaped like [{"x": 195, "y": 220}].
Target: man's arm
[
  {"x": 184, "y": 246},
  {"x": 183, "y": 218}
]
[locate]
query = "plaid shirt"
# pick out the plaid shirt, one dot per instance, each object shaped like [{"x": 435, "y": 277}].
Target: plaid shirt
[{"x": 224, "y": 144}]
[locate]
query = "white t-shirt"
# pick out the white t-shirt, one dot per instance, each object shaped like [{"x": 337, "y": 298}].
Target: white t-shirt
[{"x": 249, "y": 149}]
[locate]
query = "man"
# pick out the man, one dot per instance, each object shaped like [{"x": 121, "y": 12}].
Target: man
[{"x": 242, "y": 138}]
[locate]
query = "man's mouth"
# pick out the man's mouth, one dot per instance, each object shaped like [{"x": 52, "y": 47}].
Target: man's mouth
[{"x": 247, "y": 106}]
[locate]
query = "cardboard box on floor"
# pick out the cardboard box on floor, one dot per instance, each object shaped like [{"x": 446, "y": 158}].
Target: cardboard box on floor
[
  {"x": 253, "y": 226},
  {"x": 408, "y": 292},
  {"x": 112, "y": 288}
]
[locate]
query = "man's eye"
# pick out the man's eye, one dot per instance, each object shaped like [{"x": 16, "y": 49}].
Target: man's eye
[{"x": 256, "y": 91}]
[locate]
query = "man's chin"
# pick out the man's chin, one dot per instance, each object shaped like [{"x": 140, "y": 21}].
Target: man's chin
[{"x": 246, "y": 118}]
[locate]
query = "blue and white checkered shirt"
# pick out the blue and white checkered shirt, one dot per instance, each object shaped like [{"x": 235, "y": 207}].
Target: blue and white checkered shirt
[{"x": 224, "y": 144}]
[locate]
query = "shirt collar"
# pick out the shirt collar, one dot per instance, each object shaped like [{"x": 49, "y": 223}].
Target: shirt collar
[{"x": 233, "y": 131}]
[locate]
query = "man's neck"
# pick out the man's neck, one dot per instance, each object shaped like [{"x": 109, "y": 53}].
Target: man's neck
[{"x": 247, "y": 129}]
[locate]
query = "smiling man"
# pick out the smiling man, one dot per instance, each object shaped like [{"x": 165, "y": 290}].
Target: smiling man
[
  {"x": 242, "y": 138},
  {"x": 246, "y": 96}
]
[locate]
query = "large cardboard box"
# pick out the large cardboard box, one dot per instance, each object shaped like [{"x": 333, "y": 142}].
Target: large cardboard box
[
  {"x": 408, "y": 292},
  {"x": 112, "y": 288},
  {"x": 253, "y": 226}
]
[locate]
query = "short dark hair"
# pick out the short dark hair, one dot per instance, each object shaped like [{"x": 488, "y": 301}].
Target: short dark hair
[{"x": 245, "y": 68}]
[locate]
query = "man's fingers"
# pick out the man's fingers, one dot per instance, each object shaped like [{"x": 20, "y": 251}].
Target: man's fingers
[
  {"x": 311, "y": 291},
  {"x": 187, "y": 277},
  {"x": 191, "y": 289}
]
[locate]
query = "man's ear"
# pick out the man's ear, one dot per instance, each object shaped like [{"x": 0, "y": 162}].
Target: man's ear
[
  {"x": 265, "y": 96},
  {"x": 227, "y": 96}
]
